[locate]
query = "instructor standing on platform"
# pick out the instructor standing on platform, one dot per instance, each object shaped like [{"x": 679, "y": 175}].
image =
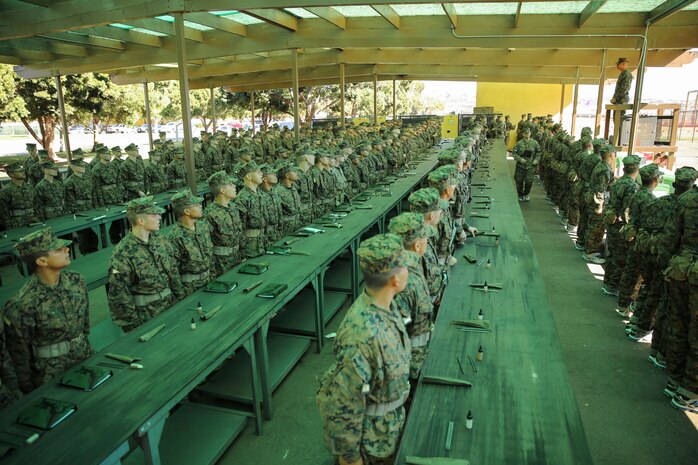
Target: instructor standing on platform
[{"x": 621, "y": 96}]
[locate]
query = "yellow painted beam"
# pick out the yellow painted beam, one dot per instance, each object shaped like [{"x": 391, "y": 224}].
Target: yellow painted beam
[
  {"x": 518, "y": 14},
  {"x": 276, "y": 17},
  {"x": 123, "y": 35},
  {"x": 388, "y": 13},
  {"x": 666, "y": 9},
  {"x": 85, "y": 40},
  {"x": 330, "y": 15},
  {"x": 218, "y": 23},
  {"x": 165, "y": 27}
]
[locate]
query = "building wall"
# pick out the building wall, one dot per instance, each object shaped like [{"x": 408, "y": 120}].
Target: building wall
[{"x": 514, "y": 99}]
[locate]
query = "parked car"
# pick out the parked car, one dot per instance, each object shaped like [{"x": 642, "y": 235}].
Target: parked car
[
  {"x": 170, "y": 127},
  {"x": 143, "y": 128},
  {"x": 118, "y": 129}
]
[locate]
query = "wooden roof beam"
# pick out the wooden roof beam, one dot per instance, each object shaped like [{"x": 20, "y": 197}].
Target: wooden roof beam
[
  {"x": 26, "y": 55},
  {"x": 388, "y": 13},
  {"x": 450, "y": 11},
  {"x": 275, "y": 17},
  {"x": 330, "y": 15},
  {"x": 44, "y": 3},
  {"x": 86, "y": 40},
  {"x": 123, "y": 35},
  {"x": 41, "y": 45},
  {"x": 592, "y": 7},
  {"x": 667, "y": 9},
  {"x": 518, "y": 14},
  {"x": 218, "y": 23},
  {"x": 165, "y": 27}
]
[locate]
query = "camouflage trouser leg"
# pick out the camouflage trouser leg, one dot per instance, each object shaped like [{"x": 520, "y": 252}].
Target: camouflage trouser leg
[
  {"x": 524, "y": 179},
  {"x": 616, "y": 251},
  {"x": 419, "y": 355},
  {"x": 571, "y": 206},
  {"x": 660, "y": 323},
  {"x": 380, "y": 436},
  {"x": 650, "y": 294},
  {"x": 223, "y": 263},
  {"x": 631, "y": 279},
  {"x": 583, "y": 219},
  {"x": 254, "y": 246},
  {"x": 594, "y": 232},
  {"x": 682, "y": 334}
]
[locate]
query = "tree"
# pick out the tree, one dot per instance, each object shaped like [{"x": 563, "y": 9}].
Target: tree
[
  {"x": 41, "y": 104},
  {"x": 11, "y": 104},
  {"x": 268, "y": 103}
]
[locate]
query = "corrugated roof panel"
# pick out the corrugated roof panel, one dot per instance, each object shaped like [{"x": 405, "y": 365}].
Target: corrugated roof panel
[
  {"x": 433, "y": 9},
  {"x": 356, "y": 11},
  {"x": 551, "y": 8},
  {"x": 243, "y": 18},
  {"x": 629, "y": 6},
  {"x": 300, "y": 12},
  {"x": 494, "y": 8}
]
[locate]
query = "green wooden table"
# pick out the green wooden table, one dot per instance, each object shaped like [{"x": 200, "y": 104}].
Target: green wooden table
[
  {"x": 136, "y": 403},
  {"x": 523, "y": 406}
]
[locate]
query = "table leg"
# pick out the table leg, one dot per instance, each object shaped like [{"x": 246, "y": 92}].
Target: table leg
[
  {"x": 354, "y": 269},
  {"x": 319, "y": 285},
  {"x": 249, "y": 346},
  {"x": 148, "y": 437},
  {"x": 260, "y": 345},
  {"x": 115, "y": 457}
]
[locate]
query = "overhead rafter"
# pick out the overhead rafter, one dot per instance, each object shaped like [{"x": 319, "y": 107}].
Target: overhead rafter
[
  {"x": 124, "y": 35},
  {"x": 26, "y": 55},
  {"x": 276, "y": 17},
  {"x": 592, "y": 7},
  {"x": 450, "y": 11},
  {"x": 667, "y": 9},
  {"x": 218, "y": 23},
  {"x": 42, "y": 45},
  {"x": 165, "y": 27},
  {"x": 86, "y": 40},
  {"x": 330, "y": 15},
  {"x": 388, "y": 13},
  {"x": 44, "y": 3},
  {"x": 518, "y": 14}
]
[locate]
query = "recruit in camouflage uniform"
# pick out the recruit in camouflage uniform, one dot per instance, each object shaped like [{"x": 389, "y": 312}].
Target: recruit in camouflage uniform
[
  {"x": 429, "y": 204},
  {"x": 527, "y": 155},
  {"x": 17, "y": 199},
  {"x": 587, "y": 163},
  {"x": 615, "y": 219},
  {"x": 442, "y": 180},
  {"x": 680, "y": 242},
  {"x": 414, "y": 302},
  {"x": 288, "y": 196},
  {"x": 601, "y": 178},
  {"x": 190, "y": 241},
  {"x": 224, "y": 221},
  {"x": 271, "y": 205},
  {"x": 50, "y": 193},
  {"x": 35, "y": 172},
  {"x": 143, "y": 277},
  {"x": 621, "y": 94},
  {"x": 132, "y": 174},
  {"x": 664, "y": 210},
  {"x": 639, "y": 210},
  {"x": 79, "y": 197},
  {"x": 176, "y": 172},
  {"x": 154, "y": 174},
  {"x": 361, "y": 396},
  {"x": 47, "y": 322},
  {"x": 251, "y": 209},
  {"x": 105, "y": 175}
]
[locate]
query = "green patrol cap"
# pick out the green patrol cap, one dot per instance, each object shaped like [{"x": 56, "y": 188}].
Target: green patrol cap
[
  {"x": 441, "y": 177},
  {"x": 267, "y": 168},
  {"x": 31, "y": 145},
  {"x": 184, "y": 198},
  {"x": 131, "y": 148},
  {"x": 78, "y": 162},
  {"x": 631, "y": 160},
  {"x": 650, "y": 171},
  {"x": 220, "y": 178},
  {"x": 43, "y": 153},
  {"x": 247, "y": 168},
  {"x": 585, "y": 140},
  {"x": 606, "y": 148},
  {"x": 116, "y": 149},
  {"x": 686, "y": 174},
  {"x": 15, "y": 167},
  {"x": 143, "y": 206},
  {"x": 526, "y": 131},
  {"x": 77, "y": 153},
  {"x": 49, "y": 165},
  {"x": 39, "y": 241},
  {"x": 285, "y": 167},
  {"x": 449, "y": 157},
  {"x": 425, "y": 200},
  {"x": 586, "y": 131},
  {"x": 381, "y": 254},
  {"x": 103, "y": 151},
  {"x": 409, "y": 226},
  {"x": 598, "y": 142}
]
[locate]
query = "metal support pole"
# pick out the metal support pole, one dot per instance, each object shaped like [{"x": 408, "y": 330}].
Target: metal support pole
[
  {"x": 394, "y": 107},
  {"x": 213, "y": 110},
  {"x": 599, "y": 98},
  {"x": 184, "y": 93},
  {"x": 296, "y": 114},
  {"x": 638, "y": 97},
  {"x": 375, "y": 99},
  {"x": 254, "y": 127},
  {"x": 562, "y": 104},
  {"x": 574, "y": 103},
  {"x": 64, "y": 120},
  {"x": 342, "y": 86},
  {"x": 148, "y": 120}
]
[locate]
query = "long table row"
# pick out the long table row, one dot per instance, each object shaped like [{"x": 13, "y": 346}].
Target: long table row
[
  {"x": 252, "y": 359},
  {"x": 522, "y": 408}
]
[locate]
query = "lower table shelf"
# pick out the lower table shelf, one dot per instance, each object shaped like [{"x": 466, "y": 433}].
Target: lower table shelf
[
  {"x": 232, "y": 381},
  {"x": 195, "y": 434},
  {"x": 298, "y": 316}
]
